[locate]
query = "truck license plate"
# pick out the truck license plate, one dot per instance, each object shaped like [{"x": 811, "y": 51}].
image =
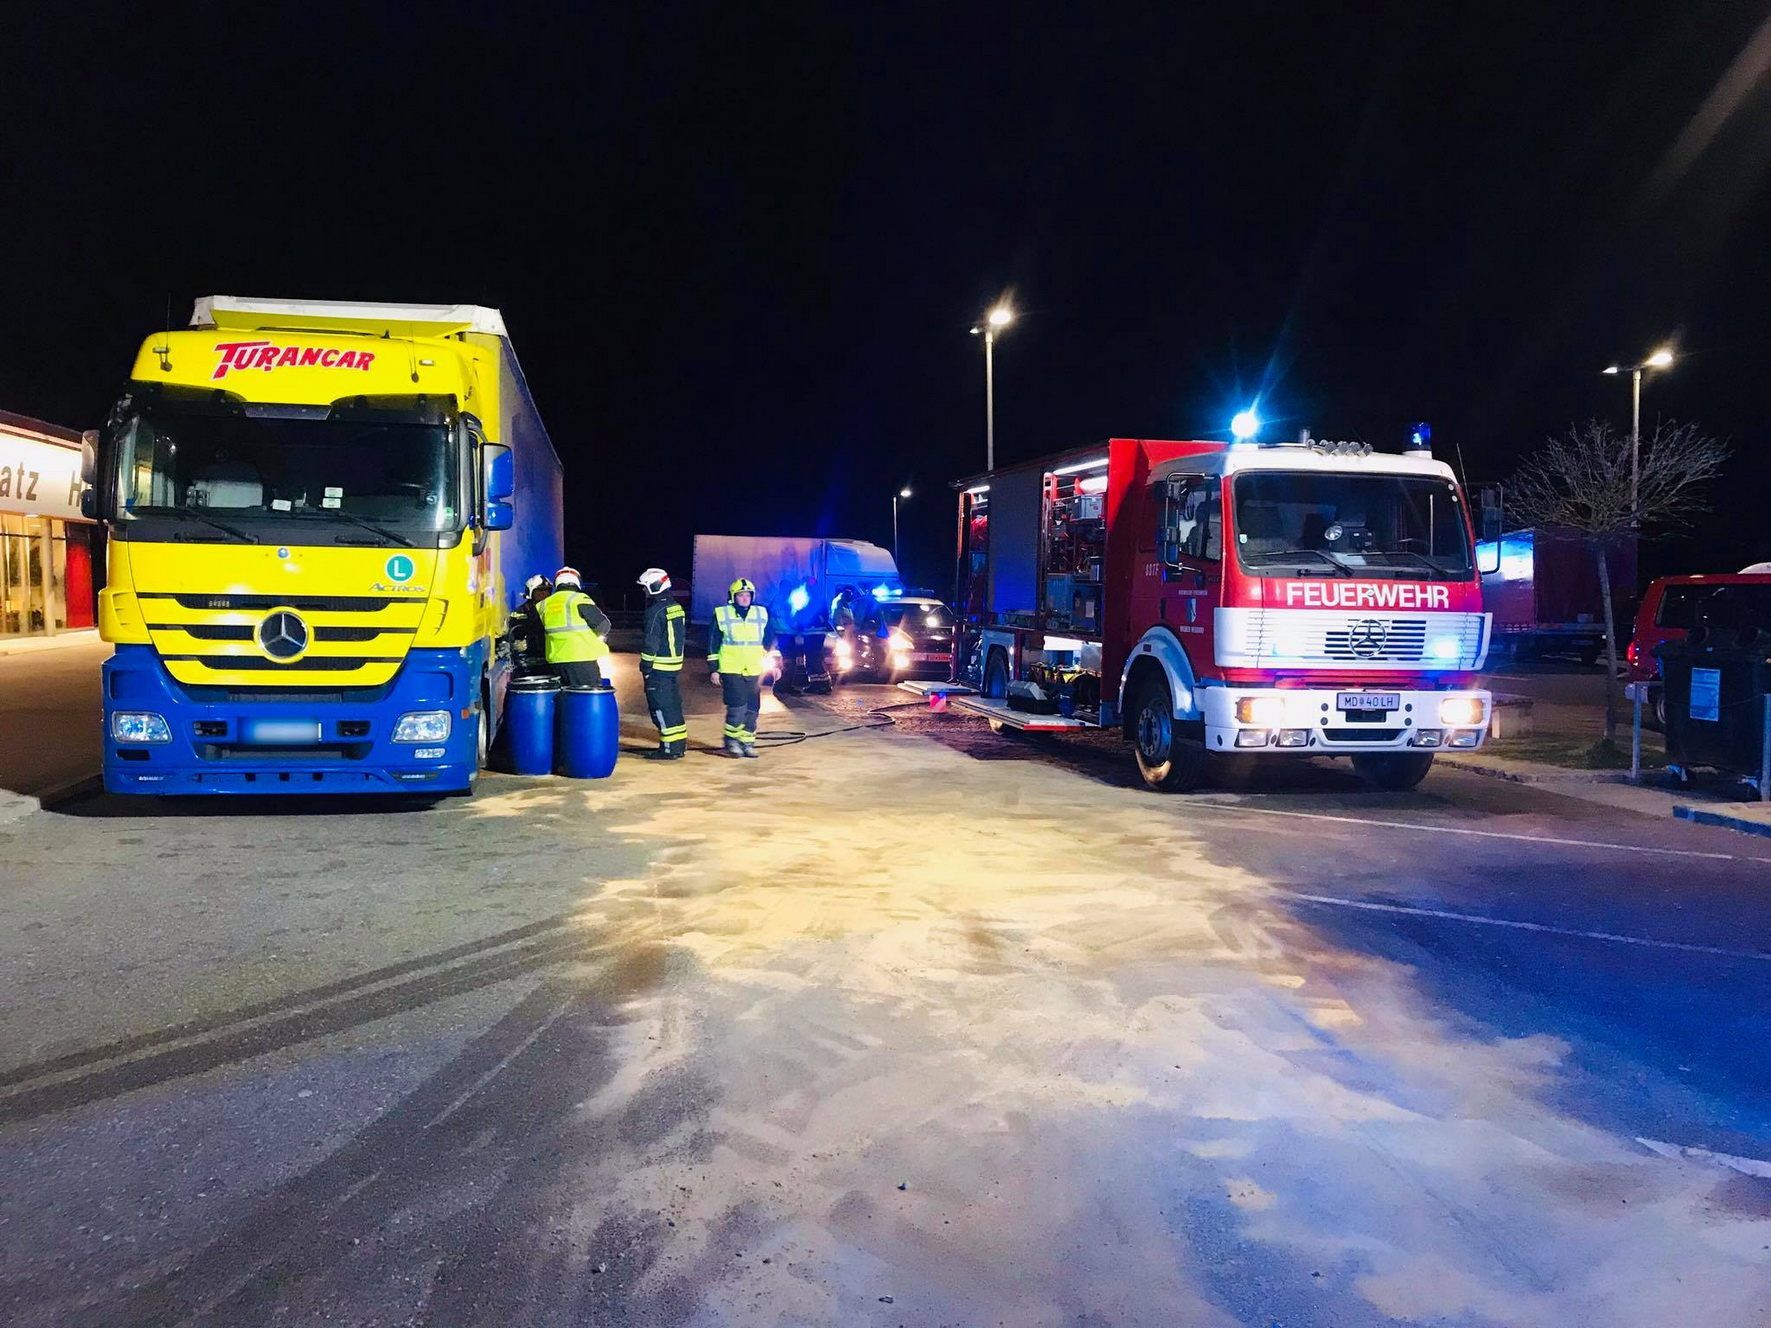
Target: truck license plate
[
  {"x": 929, "y": 657},
  {"x": 1369, "y": 700}
]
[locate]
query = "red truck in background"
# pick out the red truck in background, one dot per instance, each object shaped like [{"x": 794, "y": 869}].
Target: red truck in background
[
  {"x": 1545, "y": 594},
  {"x": 1215, "y": 601}
]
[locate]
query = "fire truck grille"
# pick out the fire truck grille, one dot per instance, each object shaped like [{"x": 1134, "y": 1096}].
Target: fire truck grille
[
  {"x": 1400, "y": 640},
  {"x": 1314, "y": 638}
]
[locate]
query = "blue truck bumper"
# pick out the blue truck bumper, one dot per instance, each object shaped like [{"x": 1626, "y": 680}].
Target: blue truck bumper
[{"x": 222, "y": 740}]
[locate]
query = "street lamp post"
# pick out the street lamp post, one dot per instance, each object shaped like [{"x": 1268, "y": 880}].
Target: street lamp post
[
  {"x": 896, "y": 497},
  {"x": 994, "y": 321},
  {"x": 1659, "y": 360}
]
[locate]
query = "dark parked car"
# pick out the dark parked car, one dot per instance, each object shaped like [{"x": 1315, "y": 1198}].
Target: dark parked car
[{"x": 902, "y": 637}]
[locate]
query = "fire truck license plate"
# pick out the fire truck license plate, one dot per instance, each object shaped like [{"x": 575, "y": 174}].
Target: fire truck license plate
[{"x": 1369, "y": 700}]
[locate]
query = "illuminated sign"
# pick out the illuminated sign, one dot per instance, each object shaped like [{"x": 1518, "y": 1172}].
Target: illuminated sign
[{"x": 39, "y": 478}]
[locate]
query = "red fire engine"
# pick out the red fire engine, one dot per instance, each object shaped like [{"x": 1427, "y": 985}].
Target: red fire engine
[{"x": 1218, "y": 602}]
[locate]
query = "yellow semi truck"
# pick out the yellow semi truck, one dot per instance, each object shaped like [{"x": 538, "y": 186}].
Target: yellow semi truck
[{"x": 321, "y": 515}]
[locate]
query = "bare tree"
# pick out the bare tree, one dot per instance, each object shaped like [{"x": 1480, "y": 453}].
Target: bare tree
[{"x": 1582, "y": 481}]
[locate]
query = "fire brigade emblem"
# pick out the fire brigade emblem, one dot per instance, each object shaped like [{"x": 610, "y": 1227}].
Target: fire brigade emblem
[{"x": 1366, "y": 638}]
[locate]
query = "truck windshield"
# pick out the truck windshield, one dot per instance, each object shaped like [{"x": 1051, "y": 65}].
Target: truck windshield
[
  {"x": 242, "y": 472},
  {"x": 1350, "y": 525}
]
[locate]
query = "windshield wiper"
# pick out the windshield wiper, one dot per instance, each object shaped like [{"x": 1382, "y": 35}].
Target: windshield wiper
[
  {"x": 1326, "y": 557},
  {"x": 356, "y": 520},
  {"x": 1422, "y": 559},
  {"x": 210, "y": 521}
]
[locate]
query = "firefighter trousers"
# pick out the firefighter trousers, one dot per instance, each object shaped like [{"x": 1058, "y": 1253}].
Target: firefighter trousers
[
  {"x": 743, "y": 698},
  {"x": 664, "y": 703}
]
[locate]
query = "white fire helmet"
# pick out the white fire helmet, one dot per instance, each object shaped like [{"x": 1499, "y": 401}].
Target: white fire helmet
[
  {"x": 655, "y": 580},
  {"x": 568, "y": 576},
  {"x": 534, "y": 583}
]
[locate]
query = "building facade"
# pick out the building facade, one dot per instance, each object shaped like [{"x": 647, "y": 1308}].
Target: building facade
[{"x": 49, "y": 553}]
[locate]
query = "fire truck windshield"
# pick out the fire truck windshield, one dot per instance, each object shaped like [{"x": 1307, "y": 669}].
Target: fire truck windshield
[
  {"x": 250, "y": 476},
  {"x": 1350, "y": 525}
]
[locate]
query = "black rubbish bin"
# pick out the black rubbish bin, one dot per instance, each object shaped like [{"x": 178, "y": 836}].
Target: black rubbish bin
[{"x": 1717, "y": 681}]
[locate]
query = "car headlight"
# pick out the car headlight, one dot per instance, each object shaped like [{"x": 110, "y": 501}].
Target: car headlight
[
  {"x": 139, "y": 726},
  {"x": 423, "y": 726},
  {"x": 1460, "y": 711},
  {"x": 844, "y": 650},
  {"x": 900, "y": 641},
  {"x": 1267, "y": 711}
]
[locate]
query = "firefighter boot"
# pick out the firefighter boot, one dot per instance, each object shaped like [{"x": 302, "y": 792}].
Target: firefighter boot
[
  {"x": 748, "y": 749},
  {"x": 734, "y": 747}
]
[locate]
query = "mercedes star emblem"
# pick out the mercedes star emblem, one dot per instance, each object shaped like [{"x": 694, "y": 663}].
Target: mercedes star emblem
[
  {"x": 283, "y": 635},
  {"x": 1366, "y": 639}
]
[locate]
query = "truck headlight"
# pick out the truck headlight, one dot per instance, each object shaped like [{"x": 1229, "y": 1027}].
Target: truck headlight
[
  {"x": 1267, "y": 711},
  {"x": 423, "y": 726},
  {"x": 139, "y": 726},
  {"x": 1459, "y": 712}
]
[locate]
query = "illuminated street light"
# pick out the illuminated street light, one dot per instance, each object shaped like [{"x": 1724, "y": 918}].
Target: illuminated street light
[
  {"x": 1661, "y": 359},
  {"x": 1245, "y": 425},
  {"x": 897, "y": 497},
  {"x": 994, "y": 321}
]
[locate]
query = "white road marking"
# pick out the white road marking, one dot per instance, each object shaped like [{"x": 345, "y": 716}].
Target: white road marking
[
  {"x": 1373, "y": 906},
  {"x": 1750, "y": 1166},
  {"x": 1484, "y": 834}
]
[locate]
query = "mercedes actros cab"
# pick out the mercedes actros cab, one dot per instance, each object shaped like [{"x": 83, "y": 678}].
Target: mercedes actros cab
[{"x": 321, "y": 515}]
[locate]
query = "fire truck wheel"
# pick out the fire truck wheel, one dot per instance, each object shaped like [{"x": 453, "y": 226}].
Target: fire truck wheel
[
  {"x": 996, "y": 677},
  {"x": 1169, "y": 761},
  {"x": 1398, "y": 771}
]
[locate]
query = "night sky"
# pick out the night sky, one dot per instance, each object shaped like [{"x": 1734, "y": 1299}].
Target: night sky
[{"x": 739, "y": 246}]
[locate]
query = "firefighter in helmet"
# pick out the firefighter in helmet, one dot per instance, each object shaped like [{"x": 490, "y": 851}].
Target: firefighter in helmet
[
  {"x": 738, "y": 641},
  {"x": 661, "y": 664},
  {"x": 528, "y": 641},
  {"x": 576, "y": 631}
]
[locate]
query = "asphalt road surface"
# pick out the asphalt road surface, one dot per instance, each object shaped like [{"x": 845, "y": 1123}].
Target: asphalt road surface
[{"x": 908, "y": 1024}]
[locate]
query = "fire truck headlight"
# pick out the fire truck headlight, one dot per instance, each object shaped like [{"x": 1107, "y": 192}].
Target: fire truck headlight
[
  {"x": 138, "y": 726},
  {"x": 1294, "y": 737},
  {"x": 1253, "y": 737},
  {"x": 1460, "y": 712},
  {"x": 1445, "y": 648},
  {"x": 1267, "y": 711}
]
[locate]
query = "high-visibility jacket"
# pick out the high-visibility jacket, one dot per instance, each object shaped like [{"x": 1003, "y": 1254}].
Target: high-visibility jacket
[
  {"x": 739, "y": 643},
  {"x": 661, "y": 650},
  {"x": 570, "y": 639}
]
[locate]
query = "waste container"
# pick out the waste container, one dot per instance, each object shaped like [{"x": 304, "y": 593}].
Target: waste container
[
  {"x": 588, "y": 731},
  {"x": 1716, "y": 682},
  {"x": 529, "y": 705}
]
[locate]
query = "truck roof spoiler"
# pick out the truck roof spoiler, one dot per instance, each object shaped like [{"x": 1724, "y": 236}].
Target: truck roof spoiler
[{"x": 251, "y": 313}]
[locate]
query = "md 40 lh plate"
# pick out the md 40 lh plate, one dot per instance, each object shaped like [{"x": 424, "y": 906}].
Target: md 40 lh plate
[{"x": 1361, "y": 701}]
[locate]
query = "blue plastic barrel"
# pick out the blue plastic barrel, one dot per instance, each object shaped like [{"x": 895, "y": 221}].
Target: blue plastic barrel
[
  {"x": 529, "y": 717},
  {"x": 589, "y": 732}
]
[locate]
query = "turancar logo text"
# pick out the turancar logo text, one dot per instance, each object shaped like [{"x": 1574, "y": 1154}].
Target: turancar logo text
[{"x": 269, "y": 355}]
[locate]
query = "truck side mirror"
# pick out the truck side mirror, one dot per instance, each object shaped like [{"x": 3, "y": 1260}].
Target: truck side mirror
[
  {"x": 89, "y": 474},
  {"x": 500, "y": 467},
  {"x": 1487, "y": 557},
  {"x": 1171, "y": 545}
]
